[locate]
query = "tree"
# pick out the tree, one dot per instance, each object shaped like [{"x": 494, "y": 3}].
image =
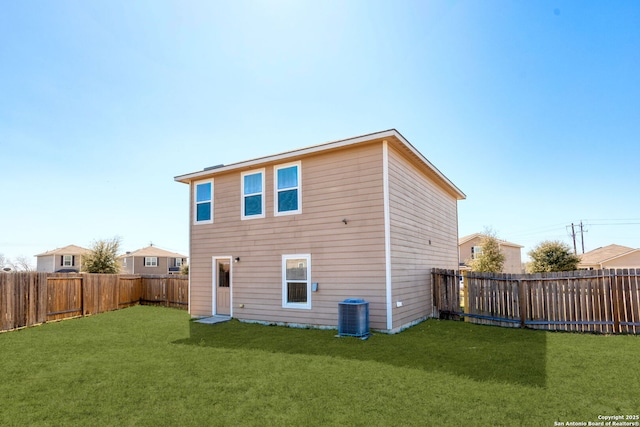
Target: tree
[
  {"x": 102, "y": 257},
  {"x": 490, "y": 259},
  {"x": 21, "y": 263},
  {"x": 552, "y": 256},
  {"x": 184, "y": 269}
]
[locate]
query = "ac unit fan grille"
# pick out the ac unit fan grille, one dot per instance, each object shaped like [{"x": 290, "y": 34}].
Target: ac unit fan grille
[{"x": 353, "y": 318}]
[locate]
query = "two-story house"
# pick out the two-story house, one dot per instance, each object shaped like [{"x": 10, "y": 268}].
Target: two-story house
[
  {"x": 285, "y": 238},
  {"x": 151, "y": 260},
  {"x": 67, "y": 259},
  {"x": 470, "y": 247}
]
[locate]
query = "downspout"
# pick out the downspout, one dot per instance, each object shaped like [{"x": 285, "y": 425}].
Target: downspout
[{"x": 387, "y": 233}]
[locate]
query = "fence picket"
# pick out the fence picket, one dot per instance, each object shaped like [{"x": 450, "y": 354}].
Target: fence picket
[
  {"x": 626, "y": 291},
  {"x": 636, "y": 299}
]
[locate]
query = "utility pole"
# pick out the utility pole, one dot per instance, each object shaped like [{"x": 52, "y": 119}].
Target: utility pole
[
  {"x": 573, "y": 236},
  {"x": 582, "y": 230}
]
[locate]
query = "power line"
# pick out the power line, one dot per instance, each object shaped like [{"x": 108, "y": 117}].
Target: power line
[
  {"x": 615, "y": 223},
  {"x": 613, "y": 219}
]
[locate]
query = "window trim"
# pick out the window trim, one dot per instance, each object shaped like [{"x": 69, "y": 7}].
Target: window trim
[
  {"x": 150, "y": 264},
  {"x": 64, "y": 260},
  {"x": 196, "y": 203},
  {"x": 298, "y": 305},
  {"x": 243, "y": 196},
  {"x": 276, "y": 168}
]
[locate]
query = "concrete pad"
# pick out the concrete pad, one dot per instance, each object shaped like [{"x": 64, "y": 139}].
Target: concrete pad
[{"x": 214, "y": 319}]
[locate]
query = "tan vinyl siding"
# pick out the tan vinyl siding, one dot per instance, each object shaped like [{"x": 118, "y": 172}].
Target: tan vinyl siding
[
  {"x": 631, "y": 260},
  {"x": 420, "y": 211},
  {"x": 465, "y": 249},
  {"x": 126, "y": 265},
  {"x": 136, "y": 265},
  {"x": 347, "y": 261},
  {"x": 512, "y": 259}
]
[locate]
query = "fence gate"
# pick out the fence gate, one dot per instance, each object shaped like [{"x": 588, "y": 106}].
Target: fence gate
[{"x": 446, "y": 293}]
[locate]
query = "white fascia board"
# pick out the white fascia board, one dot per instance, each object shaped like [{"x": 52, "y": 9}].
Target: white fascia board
[{"x": 430, "y": 165}]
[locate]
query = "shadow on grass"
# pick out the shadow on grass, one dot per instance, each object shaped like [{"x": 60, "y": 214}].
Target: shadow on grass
[{"x": 482, "y": 353}]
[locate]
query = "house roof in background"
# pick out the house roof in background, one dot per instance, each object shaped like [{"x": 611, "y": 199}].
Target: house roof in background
[
  {"x": 152, "y": 251},
  {"x": 465, "y": 239},
  {"x": 391, "y": 134},
  {"x": 66, "y": 250},
  {"x": 605, "y": 253}
]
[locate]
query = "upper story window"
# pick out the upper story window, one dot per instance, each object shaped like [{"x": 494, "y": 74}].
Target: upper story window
[
  {"x": 203, "y": 201},
  {"x": 67, "y": 260},
  {"x": 475, "y": 251},
  {"x": 288, "y": 198},
  {"x": 253, "y": 194},
  {"x": 151, "y": 261},
  {"x": 177, "y": 262}
]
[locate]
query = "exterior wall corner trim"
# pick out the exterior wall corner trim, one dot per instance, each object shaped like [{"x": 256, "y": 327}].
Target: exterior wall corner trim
[{"x": 387, "y": 232}]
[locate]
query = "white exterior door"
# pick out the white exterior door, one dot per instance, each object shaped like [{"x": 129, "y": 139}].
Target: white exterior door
[{"x": 222, "y": 285}]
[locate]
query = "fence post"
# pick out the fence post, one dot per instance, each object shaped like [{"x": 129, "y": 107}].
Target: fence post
[
  {"x": 465, "y": 288},
  {"x": 522, "y": 297},
  {"x": 616, "y": 296},
  {"x": 82, "y": 295}
]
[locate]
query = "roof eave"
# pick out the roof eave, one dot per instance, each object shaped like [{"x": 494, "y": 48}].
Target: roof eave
[
  {"x": 619, "y": 256},
  {"x": 390, "y": 133},
  {"x": 456, "y": 191},
  {"x": 187, "y": 178}
]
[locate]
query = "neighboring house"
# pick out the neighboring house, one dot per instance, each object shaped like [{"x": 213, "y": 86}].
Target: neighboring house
[
  {"x": 612, "y": 256},
  {"x": 470, "y": 246},
  {"x": 151, "y": 260},
  {"x": 61, "y": 260},
  {"x": 285, "y": 238}
]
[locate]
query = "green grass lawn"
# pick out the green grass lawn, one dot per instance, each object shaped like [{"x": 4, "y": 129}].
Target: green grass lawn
[{"x": 153, "y": 366}]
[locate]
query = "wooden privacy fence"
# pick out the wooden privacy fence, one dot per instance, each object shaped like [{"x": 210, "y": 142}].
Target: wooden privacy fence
[
  {"x": 601, "y": 301},
  {"x": 172, "y": 291},
  {"x": 28, "y": 299}
]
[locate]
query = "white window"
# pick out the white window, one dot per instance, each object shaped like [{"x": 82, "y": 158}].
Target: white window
[
  {"x": 178, "y": 262},
  {"x": 252, "y": 194},
  {"x": 475, "y": 251},
  {"x": 296, "y": 281},
  {"x": 151, "y": 261},
  {"x": 288, "y": 197},
  {"x": 67, "y": 260},
  {"x": 203, "y": 202}
]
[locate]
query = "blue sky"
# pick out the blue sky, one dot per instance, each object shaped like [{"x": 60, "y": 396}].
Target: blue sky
[{"x": 531, "y": 108}]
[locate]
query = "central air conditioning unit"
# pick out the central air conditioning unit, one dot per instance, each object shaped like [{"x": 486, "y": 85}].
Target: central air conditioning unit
[{"x": 353, "y": 318}]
